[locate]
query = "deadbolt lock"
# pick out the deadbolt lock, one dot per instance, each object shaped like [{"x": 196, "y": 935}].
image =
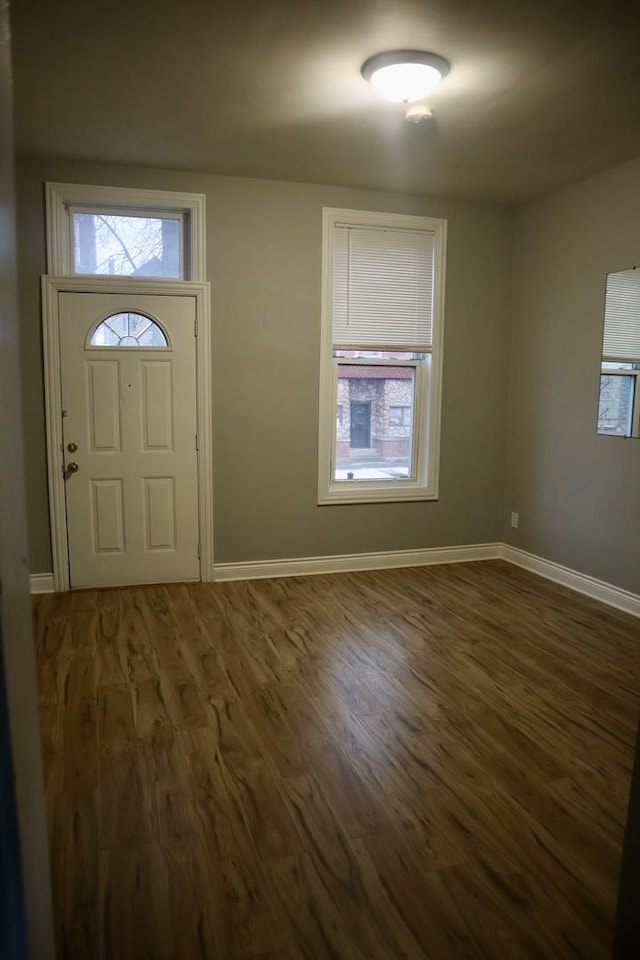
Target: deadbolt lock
[{"x": 72, "y": 447}]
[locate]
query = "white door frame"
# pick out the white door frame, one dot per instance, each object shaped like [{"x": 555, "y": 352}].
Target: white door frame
[{"x": 51, "y": 287}]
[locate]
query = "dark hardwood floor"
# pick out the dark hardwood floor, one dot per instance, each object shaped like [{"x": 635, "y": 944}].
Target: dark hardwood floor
[{"x": 425, "y": 763}]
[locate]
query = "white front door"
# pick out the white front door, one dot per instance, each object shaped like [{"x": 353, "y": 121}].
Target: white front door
[{"x": 129, "y": 432}]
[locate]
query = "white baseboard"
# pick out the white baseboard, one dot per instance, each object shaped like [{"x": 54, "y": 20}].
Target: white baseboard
[
  {"x": 597, "y": 589},
  {"x": 352, "y": 562},
  {"x": 41, "y": 583}
]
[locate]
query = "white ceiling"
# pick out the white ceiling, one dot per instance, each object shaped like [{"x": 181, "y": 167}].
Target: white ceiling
[{"x": 540, "y": 94}]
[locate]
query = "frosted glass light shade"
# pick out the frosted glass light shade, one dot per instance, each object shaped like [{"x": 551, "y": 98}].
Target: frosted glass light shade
[{"x": 403, "y": 76}]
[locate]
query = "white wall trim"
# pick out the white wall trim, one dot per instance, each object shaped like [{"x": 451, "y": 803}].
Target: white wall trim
[
  {"x": 597, "y": 589},
  {"x": 41, "y": 583},
  {"x": 51, "y": 288},
  {"x": 352, "y": 562},
  {"x": 307, "y": 566}
]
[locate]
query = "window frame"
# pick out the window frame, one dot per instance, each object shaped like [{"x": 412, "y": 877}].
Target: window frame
[
  {"x": 63, "y": 199},
  {"x": 428, "y": 374},
  {"x": 635, "y": 402},
  {"x": 179, "y": 216}
]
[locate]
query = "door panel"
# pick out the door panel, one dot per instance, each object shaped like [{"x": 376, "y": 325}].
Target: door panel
[
  {"x": 132, "y": 505},
  {"x": 159, "y": 498},
  {"x": 157, "y": 405},
  {"x": 107, "y": 514},
  {"x": 103, "y": 391}
]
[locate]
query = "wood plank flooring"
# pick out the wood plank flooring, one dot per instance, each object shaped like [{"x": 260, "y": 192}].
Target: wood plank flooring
[{"x": 427, "y": 763}]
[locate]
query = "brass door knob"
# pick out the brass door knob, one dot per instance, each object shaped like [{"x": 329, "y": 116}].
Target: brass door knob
[{"x": 72, "y": 468}]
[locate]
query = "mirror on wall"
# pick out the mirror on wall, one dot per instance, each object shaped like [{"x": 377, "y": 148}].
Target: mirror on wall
[{"x": 619, "y": 402}]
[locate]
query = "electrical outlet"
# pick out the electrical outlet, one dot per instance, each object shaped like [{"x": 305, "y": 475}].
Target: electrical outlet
[{"x": 514, "y": 520}]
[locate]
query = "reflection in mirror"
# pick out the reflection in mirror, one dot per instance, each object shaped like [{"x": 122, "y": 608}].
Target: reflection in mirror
[{"x": 619, "y": 404}]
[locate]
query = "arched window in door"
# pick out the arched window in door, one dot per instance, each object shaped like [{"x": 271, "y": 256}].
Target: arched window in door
[{"x": 128, "y": 330}]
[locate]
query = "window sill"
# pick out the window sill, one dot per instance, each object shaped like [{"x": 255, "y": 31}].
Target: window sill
[{"x": 349, "y": 493}]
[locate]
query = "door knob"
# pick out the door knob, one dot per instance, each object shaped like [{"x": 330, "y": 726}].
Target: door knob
[
  {"x": 72, "y": 447},
  {"x": 72, "y": 468}
]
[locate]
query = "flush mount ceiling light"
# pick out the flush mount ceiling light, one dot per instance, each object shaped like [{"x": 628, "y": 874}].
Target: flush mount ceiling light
[{"x": 405, "y": 75}]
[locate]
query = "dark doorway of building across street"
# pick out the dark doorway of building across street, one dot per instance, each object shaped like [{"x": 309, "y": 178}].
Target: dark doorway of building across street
[{"x": 361, "y": 425}]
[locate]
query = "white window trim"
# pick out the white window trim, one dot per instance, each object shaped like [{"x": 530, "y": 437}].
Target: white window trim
[
  {"x": 427, "y": 424},
  {"x": 61, "y": 196}
]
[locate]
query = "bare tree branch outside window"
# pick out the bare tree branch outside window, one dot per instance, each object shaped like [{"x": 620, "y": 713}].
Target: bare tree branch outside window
[{"x": 119, "y": 245}]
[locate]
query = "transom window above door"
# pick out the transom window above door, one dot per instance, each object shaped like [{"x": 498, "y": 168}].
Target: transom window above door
[
  {"x": 127, "y": 244},
  {"x": 128, "y": 330},
  {"x": 119, "y": 233}
]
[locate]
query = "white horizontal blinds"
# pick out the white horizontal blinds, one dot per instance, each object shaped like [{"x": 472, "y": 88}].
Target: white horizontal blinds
[
  {"x": 622, "y": 317},
  {"x": 382, "y": 287}
]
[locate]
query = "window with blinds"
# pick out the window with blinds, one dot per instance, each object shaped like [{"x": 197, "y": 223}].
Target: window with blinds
[
  {"x": 382, "y": 320},
  {"x": 619, "y": 395},
  {"x": 622, "y": 317}
]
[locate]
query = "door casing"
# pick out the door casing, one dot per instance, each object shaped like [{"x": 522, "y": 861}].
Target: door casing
[{"x": 51, "y": 287}]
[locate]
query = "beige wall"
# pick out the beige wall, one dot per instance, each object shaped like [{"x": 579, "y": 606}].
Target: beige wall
[
  {"x": 15, "y": 613},
  {"x": 264, "y": 264},
  {"x": 578, "y": 494}
]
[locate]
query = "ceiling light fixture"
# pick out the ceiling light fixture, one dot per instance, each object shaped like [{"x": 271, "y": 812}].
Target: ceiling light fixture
[{"x": 405, "y": 75}]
